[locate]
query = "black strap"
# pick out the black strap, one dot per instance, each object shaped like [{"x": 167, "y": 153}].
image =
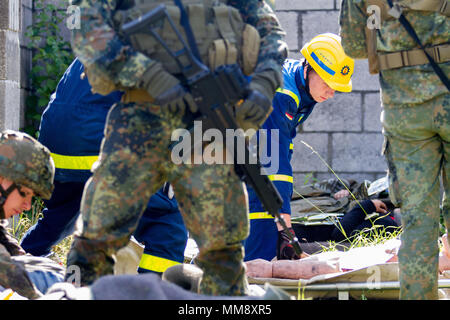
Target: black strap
[
  {"x": 184, "y": 21},
  {"x": 5, "y": 193},
  {"x": 405, "y": 23},
  {"x": 3, "y": 196}
]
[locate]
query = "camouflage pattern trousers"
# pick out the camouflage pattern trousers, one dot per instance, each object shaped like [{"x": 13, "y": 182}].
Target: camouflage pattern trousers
[
  {"x": 134, "y": 162},
  {"x": 417, "y": 149}
]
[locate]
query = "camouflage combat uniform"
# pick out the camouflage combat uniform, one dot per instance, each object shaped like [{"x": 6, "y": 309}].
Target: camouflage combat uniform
[
  {"x": 135, "y": 157},
  {"x": 319, "y": 197},
  {"x": 417, "y": 133},
  {"x": 25, "y": 162},
  {"x": 12, "y": 274}
]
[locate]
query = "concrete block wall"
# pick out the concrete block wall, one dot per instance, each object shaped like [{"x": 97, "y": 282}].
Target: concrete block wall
[
  {"x": 344, "y": 131},
  {"x": 10, "y": 65}
]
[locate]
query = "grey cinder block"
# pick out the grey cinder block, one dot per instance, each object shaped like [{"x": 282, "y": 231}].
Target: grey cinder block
[
  {"x": 340, "y": 113},
  {"x": 289, "y": 22},
  {"x": 372, "y": 112},
  {"x": 305, "y": 159},
  {"x": 354, "y": 152}
]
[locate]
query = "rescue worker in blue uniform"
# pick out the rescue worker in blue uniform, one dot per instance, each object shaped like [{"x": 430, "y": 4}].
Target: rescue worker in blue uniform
[
  {"x": 72, "y": 129},
  {"x": 324, "y": 70}
]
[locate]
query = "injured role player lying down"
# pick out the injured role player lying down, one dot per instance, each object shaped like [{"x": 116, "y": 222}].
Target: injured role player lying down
[{"x": 333, "y": 262}]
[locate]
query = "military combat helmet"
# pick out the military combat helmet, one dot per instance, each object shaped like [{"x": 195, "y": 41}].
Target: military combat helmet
[{"x": 26, "y": 162}]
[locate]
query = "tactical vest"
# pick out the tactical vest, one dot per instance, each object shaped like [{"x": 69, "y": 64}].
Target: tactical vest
[
  {"x": 220, "y": 33},
  {"x": 378, "y": 62}
]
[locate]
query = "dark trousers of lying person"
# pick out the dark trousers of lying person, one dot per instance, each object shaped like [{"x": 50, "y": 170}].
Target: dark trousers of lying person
[{"x": 351, "y": 224}]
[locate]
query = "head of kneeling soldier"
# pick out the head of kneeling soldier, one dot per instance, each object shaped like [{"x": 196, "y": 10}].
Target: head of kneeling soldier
[{"x": 26, "y": 170}]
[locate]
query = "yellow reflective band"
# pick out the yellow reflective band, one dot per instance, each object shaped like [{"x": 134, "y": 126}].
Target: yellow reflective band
[
  {"x": 156, "y": 264},
  {"x": 259, "y": 215},
  {"x": 300, "y": 119},
  {"x": 8, "y": 295},
  {"x": 290, "y": 94},
  {"x": 73, "y": 162},
  {"x": 281, "y": 177},
  {"x": 291, "y": 146}
]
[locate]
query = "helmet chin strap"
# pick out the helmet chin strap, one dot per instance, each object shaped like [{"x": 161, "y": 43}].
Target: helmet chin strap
[{"x": 4, "y": 194}]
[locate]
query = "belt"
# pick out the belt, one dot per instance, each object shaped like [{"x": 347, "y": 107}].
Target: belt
[{"x": 440, "y": 53}]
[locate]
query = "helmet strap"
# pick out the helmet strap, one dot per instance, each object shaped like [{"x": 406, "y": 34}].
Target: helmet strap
[{"x": 4, "y": 194}]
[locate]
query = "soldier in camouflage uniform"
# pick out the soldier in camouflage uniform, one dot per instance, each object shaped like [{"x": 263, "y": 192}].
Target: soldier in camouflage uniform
[
  {"x": 135, "y": 154},
  {"x": 415, "y": 122},
  {"x": 26, "y": 169}
]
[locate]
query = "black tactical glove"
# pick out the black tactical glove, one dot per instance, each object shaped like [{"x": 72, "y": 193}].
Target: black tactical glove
[
  {"x": 179, "y": 105},
  {"x": 285, "y": 250},
  {"x": 166, "y": 90},
  {"x": 258, "y": 105},
  {"x": 255, "y": 109}
]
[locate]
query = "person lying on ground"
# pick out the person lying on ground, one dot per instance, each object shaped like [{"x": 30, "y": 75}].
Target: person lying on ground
[
  {"x": 366, "y": 216},
  {"x": 316, "y": 265}
]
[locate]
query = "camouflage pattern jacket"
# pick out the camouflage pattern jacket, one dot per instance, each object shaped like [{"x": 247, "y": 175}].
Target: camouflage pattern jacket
[
  {"x": 97, "y": 42},
  {"x": 399, "y": 86},
  {"x": 318, "y": 198},
  {"x": 12, "y": 273}
]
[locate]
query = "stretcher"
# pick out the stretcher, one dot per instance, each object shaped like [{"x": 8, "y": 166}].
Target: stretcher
[
  {"x": 366, "y": 274},
  {"x": 374, "y": 282}
]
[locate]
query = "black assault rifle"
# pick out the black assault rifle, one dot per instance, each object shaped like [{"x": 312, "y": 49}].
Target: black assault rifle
[{"x": 215, "y": 93}]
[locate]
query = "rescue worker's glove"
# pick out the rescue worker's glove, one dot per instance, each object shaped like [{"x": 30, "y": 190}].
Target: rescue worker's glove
[
  {"x": 285, "y": 250},
  {"x": 166, "y": 90}
]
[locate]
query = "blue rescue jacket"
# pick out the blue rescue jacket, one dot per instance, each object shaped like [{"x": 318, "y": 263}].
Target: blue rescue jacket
[
  {"x": 72, "y": 125},
  {"x": 292, "y": 105},
  {"x": 72, "y": 128}
]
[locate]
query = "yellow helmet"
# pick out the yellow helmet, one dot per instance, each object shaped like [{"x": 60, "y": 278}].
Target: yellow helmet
[{"x": 327, "y": 57}]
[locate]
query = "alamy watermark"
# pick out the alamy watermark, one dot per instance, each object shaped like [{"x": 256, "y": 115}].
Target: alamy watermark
[
  {"x": 196, "y": 146},
  {"x": 73, "y": 274},
  {"x": 374, "y": 19},
  {"x": 73, "y": 19},
  {"x": 374, "y": 280}
]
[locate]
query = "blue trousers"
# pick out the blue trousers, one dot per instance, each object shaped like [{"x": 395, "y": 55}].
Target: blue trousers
[
  {"x": 43, "y": 280},
  {"x": 161, "y": 227},
  {"x": 262, "y": 240}
]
